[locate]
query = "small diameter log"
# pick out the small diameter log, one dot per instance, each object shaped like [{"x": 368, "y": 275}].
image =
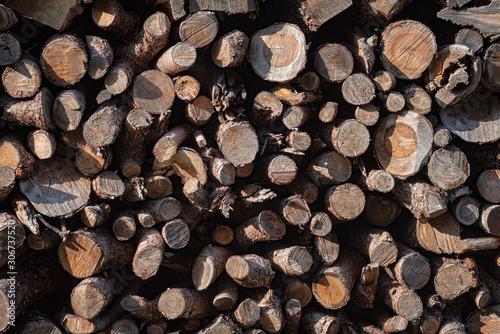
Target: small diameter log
[
  {"x": 319, "y": 323},
  {"x": 384, "y": 81},
  {"x": 91, "y": 160},
  {"x": 100, "y": 56},
  {"x": 407, "y": 58},
  {"x": 295, "y": 116},
  {"x": 380, "y": 211},
  {"x": 345, "y": 202},
  {"x": 271, "y": 315},
  {"x": 339, "y": 135},
  {"x": 89, "y": 252},
  {"x": 68, "y": 108},
  {"x": 358, "y": 89},
  {"x": 491, "y": 67},
  {"x": 334, "y": 62},
  {"x": 109, "y": 15},
  {"x": 287, "y": 94},
  {"x": 142, "y": 308},
  {"x": 490, "y": 215},
  {"x": 367, "y": 114},
  {"x": 186, "y": 87},
  {"x": 453, "y": 277},
  {"x": 152, "y": 91},
  {"x": 327, "y": 247},
  {"x": 34, "y": 112},
  {"x": 488, "y": 185},
  {"x": 293, "y": 260},
  {"x": 43, "y": 241},
  {"x": 365, "y": 291},
  {"x": 411, "y": 268},
  {"x": 328, "y": 112},
  {"x": 134, "y": 190},
  {"x": 7, "y": 181},
  {"x": 209, "y": 264},
  {"x": 293, "y": 313},
  {"x": 310, "y": 81},
  {"x": 10, "y": 226},
  {"x": 158, "y": 211},
  {"x": 25, "y": 212},
  {"x": 448, "y": 168},
  {"x": 266, "y": 108},
  {"x": 200, "y": 110},
  {"x": 222, "y": 324},
  {"x": 131, "y": 145},
  {"x": 222, "y": 235},
  {"x": 267, "y": 226},
  {"x": 250, "y": 271},
  {"x": 22, "y": 79},
  {"x": 108, "y": 185},
  {"x": 320, "y": 224},
  {"x": 388, "y": 323},
  {"x": 297, "y": 289},
  {"x": 452, "y": 321},
  {"x": 480, "y": 294},
  {"x": 247, "y": 313},
  {"x": 430, "y": 321},
  {"x": 417, "y": 99},
  {"x": 196, "y": 194},
  {"x": 304, "y": 188},
  {"x": 41, "y": 143},
  {"x": 299, "y": 141},
  {"x": 422, "y": 199},
  {"x": 177, "y": 58},
  {"x": 294, "y": 210},
  {"x": 8, "y": 18},
  {"x": 149, "y": 253},
  {"x": 466, "y": 210},
  {"x": 238, "y": 142},
  {"x": 167, "y": 145},
  {"x": 64, "y": 59},
  {"x": 227, "y": 294},
  {"x": 158, "y": 327},
  {"x": 328, "y": 169},
  {"x": 91, "y": 296},
  {"x": 377, "y": 180},
  {"x": 402, "y": 300},
  {"x": 442, "y": 136},
  {"x": 124, "y": 325},
  {"x": 103, "y": 126},
  {"x": 158, "y": 186},
  {"x": 185, "y": 303},
  {"x": 124, "y": 226},
  {"x": 245, "y": 170},
  {"x": 229, "y": 50},
  {"x": 288, "y": 56},
  {"x": 279, "y": 169},
  {"x": 11, "y": 50},
  {"x": 95, "y": 215},
  {"x": 332, "y": 285},
  {"x": 199, "y": 29},
  {"x": 176, "y": 233},
  {"x": 135, "y": 56},
  {"x": 393, "y": 101},
  {"x": 375, "y": 244},
  {"x": 39, "y": 323}
]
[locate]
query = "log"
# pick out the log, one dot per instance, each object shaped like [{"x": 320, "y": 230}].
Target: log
[
  {"x": 452, "y": 321},
  {"x": 124, "y": 325},
  {"x": 90, "y": 160},
  {"x": 95, "y": 215},
  {"x": 318, "y": 323},
  {"x": 238, "y": 142},
  {"x": 393, "y": 101},
  {"x": 380, "y": 211},
  {"x": 158, "y": 327},
  {"x": 22, "y": 79},
  {"x": 287, "y": 94},
  {"x": 487, "y": 185},
  {"x": 358, "y": 89},
  {"x": 402, "y": 300},
  {"x": 167, "y": 145},
  {"x": 304, "y": 188},
  {"x": 247, "y": 313},
  {"x": 365, "y": 291},
  {"x": 339, "y": 136},
  {"x": 158, "y": 186},
  {"x": 12, "y": 233},
  {"x": 288, "y": 56},
  {"x": 135, "y": 56},
  {"x": 39, "y": 323},
  {"x": 209, "y": 264},
  {"x": 227, "y": 295},
  {"x": 310, "y": 81},
  {"x": 328, "y": 112},
  {"x": 222, "y": 235},
  {"x": 250, "y": 270},
  {"x": 152, "y": 91},
  {"x": 149, "y": 253},
  {"x": 327, "y": 247},
  {"x": 367, "y": 114},
  {"x": 334, "y": 62},
  {"x": 100, "y": 56},
  {"x": 197, "y": 195},
  {"x": 157, "y": 211},
  {"x": 108, "y": 185},
  {"x": 295, "y": 116},
  {"x": 293, "y": 260},
  {"x": 448, "y": 168},
  {"x": 466, "y": 210},
  {"x": 199, "y": 29},
  {"x": 470, "y": 38},
  {"x": 430, "y": 321},
  {"x": 34, "y": 112},
  {"x": 176, "y": 233},
  {"x": 42, "y": 143},
  {"x": 377, "y": 180},
  {"x": 345, "y": 201},
  {"x": 109, "y": 15},
  {"x": 320, "y": 224},
  {"x": 7, "y": 181},
  {"x": 380, "y": 11},
  {"x": 384, "y": 81},
  {"x": 422, "y": 199},
  {"x": 297, "y": 289},
  {"x": 388, "y": 323},
  {"x": 14, "y": 155},
  {"x": 221, "y": 324},
  {"x": 135, "y": 190},
  {"x": 332, "y": 285},
  {"x": 294, "y": 210},
  {"x": 124, "y": 225},
  {"x": 89, "y": 252},
  {"x": 131, "y": 146},
  {"x": 328, "y": 169},
  {"x": 186, "y": 87},
  {"x": 417, "y": 99},
  {"x": 271, "y": 315},
  {"x": 185, "y": 303},
  {"x": 483, "y": 321},
  {"x": 480, "y": 294},
  {"x": 68, "y": 109},
  {"x": 407, "y": 58},
  {"x": 267, "y": 226},
  {"x": 293, "y": 313},
  {"x": 91, "y": 296},
  {"x": 453, "y": 277},
  {"x": 64, "y": 60},
  {"x": 142, "y": 308},
  {"x": 375, "y": 244},
  {"x": 43, "y": 241},
  {"x": 489, "y": 219},
  {"x": 442, "y": 136},
  {"x": 229, "y": 50},
  {"x": 411, "y": 268},
  {"x": 11, "y": 49},
  {"x": 491, "y": 67},
  {"x": 178, "y": 58},
  {"x": 9, "y": 18},
  {"x": 266, "y": 108},
  {"x": 103, "y": 126},
  {"x": 200, "y": 110}
]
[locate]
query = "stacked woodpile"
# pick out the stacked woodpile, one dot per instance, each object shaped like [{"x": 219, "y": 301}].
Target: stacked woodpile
[{"x": 288, "y": 166}]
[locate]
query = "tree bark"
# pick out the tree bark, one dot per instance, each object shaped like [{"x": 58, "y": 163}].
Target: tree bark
[
  {"x": 267, "y": 226},
  {"x": 92, "y": 295},
  {"x": 100, "y": 55},
  {"x": 250, "y": 271},
  {"x": 103, "y": 126},
  {"x": 365, "y": 291},
  {"x": 149, "y": 254},
  {"x": 185, "y": 303},
  {"x": 453, "y": 277},
  {"x": 209, "y": 264}
]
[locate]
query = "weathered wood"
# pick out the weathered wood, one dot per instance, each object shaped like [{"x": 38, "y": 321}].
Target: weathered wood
[
  {"x": 68, "y": 109},
  {"x": 367, "y": 114},
  {"x": 100, "y": 56},
  {"x": 152, "y": 91},
  {"x": 358, "y": 89},
  {"x": 384, "y": 81},
  {"x": 417, "y": 99},
  {"x": 157, "y": 211},
  {"x": 109, "y": 15},
  {"x": 329, "y": 168},
  {"x": 328, "y": 247},
  {"x": 221, "y": 324},
  {"x": 411, "y": 268},
  {"x": 227, "y": 295},
  {"x": 293, "y": 260},
  {"x": 470, "y": 38},
  {"x": 39, "y": 323},
  {"x": 377, "y": 180},
  {"x": 247, "y": 313},
  {"x": 484, "y": 321},
  {"x": 7, "y": 181},
  {"x": 402, "y": 300},
  {"x": 104, "y": 125},
  {"x": 487, "y": 185},
  {"x": 462, "y": 272},
  {"x": 380, "y": 210},
  {"x": 448, "y": 168},
  {"x": 13, "y": 154},
  {"x": 334, "y": 62},
  {"x": 388, "y": 323},
  {"x": 345, "y": 202},
  {"x": 95, "y": 215},
  {"x": 124, "y": 225},
  {"x": 90, "y": 160},
  {"x": 466, "y": 210},
  {"x": 167, "y": 145},
  {"x": 186, "y": 87},
  {"x": 91, "y": 296},
  {"x": 238, "y": 142},
  {"x": 199, "y": 29},
  {"x": 43, "y": 241},
  {"x": 318, "y": 323},
  {"x": 177, "y": 58},
  {"x": 158, "y": 186},
  {"x": 10, "y": 226},
  {"x": 271, "y": 314},
  {"x": 149, "y": 253},
  {"x": 185, "y": 303},
  {"x": 375, "y": 244},
  {"x": 108, "y": 185},
  {"x": 339, "y": 136},
  {"x": 11, "y": 49},
  {"x": 9, "y": 18},
  {"x": 250, "y": 270},
  {"x": 365, "y": 291},
  {"x": 422, "y": 199},
  {"x": 142, "y": 308},
  {"x": 442, "y": 136},
  {"x": 229, "y": 50},
  {"x": 209, "y": 264},
  {"x": 22, "y": 79}
]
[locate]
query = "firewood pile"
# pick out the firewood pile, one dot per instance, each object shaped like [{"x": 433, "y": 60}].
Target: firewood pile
[{"x": 287, "y": 166}]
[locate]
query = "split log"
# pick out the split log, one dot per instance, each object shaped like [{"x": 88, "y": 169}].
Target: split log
[
  {"x": 12, "y": 233},
  {"x": 295, "y": 116},
  {"x": 186, "y": 87},
  {"x": 328, "y": 169},
  {"x": 417, "y": 99},
  {"x": 402, "y": 300},
  {"x": 64, "y": 59},
  {"x": 149, "y": 253},
  {"x": 380, "y": 211},
  {"x": 34, "y": 112},
  {"x": 209, "y": 264},
  {"x": 488, "y": 185},
  {"x": 100, "y": 56},
  {"x": 68, "y": 109},
  {"x": 124, "y": 226},
  {"x": 109, "y": 15},
  {"x": 199, "y": 29},
  {"x": 108, "y": 185},
  {"x": 185, "y": 303},
  {"x": 327, "y": 247},
  {"x": 7, "y": 181},
  {"x": 411, "y": 268},
  {"x": 103, "y": 126},
  {"x": 384, "y": 81},
  {"x": 25, "y": 212},
  {"x": 14, "y": 155},
  {"x": 287, "y": 94},
  {"x": 140, "y": 307},
  {"x": 89, "y": 252},
  {"x": 167, "y": 145},
  {"x": 375, "y": 244},
  {"x": 358, "y": 89},
  {"x": 339, "y": 136},
  {"x": 334, "y": 62},
  {"x": 367, "y": 114},
  {"x": 319, "y": 323},
  {"x": 267, "y": 226},
  {"x": 95, "y": 215},
  {"x": 229, "y": 50},
  {"x": 365, "y": 291},
  {"x": 91, "y": 296},
  {"x": 250, "y": 271},
  {"x": 43, "y": 241},
  {"x": 332, "y": 285},
  {"x": 271, "y": 314},
  {"x": 177, "y": 58},
  {"x": 448, "y": 168},
  {"x": 442, "y": 136},
  {"x": 466, "y": 210},
  {"x": 247, "y": 313},
  {"x": 158, "y": 186},
  {"x": 345, "y": 202},
  {"x": 266, "y": 108},
  {"x": 328, "y": 112},
  {"x": 377, "y": 180},
  {"x": 131, "y": 145},
  {"x": 135, "y": 56},
  {"x": 157, "y": 211},
  {"x": 22, "y": 79},
  {"x": 227, "y": 295},
  {"x": 453, "y": 277},
  {"x": 9, "y": 18},
  {"x": 288, "y": 56},
  {"x": 11, "y": 50},
  {"x": 293, "y": 261},
  {"x": 407, "y": 58}
]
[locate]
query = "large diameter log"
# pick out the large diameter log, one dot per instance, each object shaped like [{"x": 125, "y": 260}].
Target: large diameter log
[
  {"x": 64, "y": 60},
  {"x": 340, "y": 136},
  {"x": 89, "y": 252},
  {"x": 152, "y": 91},
  {"x": 209, "y": 264},
  {"x": 332, "y": 285},
  {"x": 238, "y": 142},
  {"x": 22, "y": 79},
  {"x": 422, "y": 199},
  {"x": 453, "y": 277},
  {"x": 250, "y": 270},
  {"x": 345, "y": 202},
  {"x": 277, "y": 53},
  {"x": 109, "y": 15},
  {"x": 185, "y": 303},
  {"x": 411, "y": 268},
  {"x": 404, "y": 57},
  {"x": 402, "y": 300},
  {"x": 267, "y": 226},
  {"x": 103, "y": 126},
  {"x": 35, "y": 272},
  {"x": 334, "y": 62},
  {"x": 91, "y": 296},
  {"x": 149, "y": 253}
]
